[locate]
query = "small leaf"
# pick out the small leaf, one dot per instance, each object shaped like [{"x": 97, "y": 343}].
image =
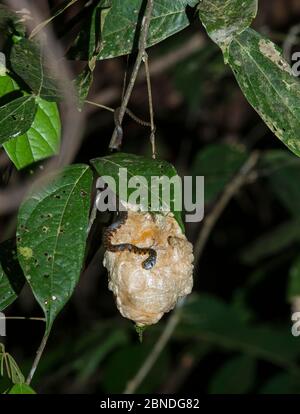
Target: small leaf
[
  {"x": 21, "y": 389},
  {"x": 120, "y": 23},
  {"x": 11, "y": 275},
  {"x": 16, "y": 117},
  {"x": 139, "y": 166},
  {"x": 41, "y": 141},
  {"x": 10, "y": 22},
  {"x": 52, "y": 231},
  {"x": 224, "y": 20},
  {"x": 236, "y": 376},
  {"x": 268, "y": 83},
  {"x": 27, "y": 61}
]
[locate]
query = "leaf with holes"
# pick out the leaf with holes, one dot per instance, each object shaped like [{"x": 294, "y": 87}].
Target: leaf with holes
[
  {"x": 268, "y": 83},
  {"x": 121, "y": 22},
  {"x": 146, "y": 169},
  {"x": 16, "y": 117},
  {"x": 28, "y": 62},
  {"x": 42, "y": 139},
  {"x": 51, "y": 237},
  {"x": 224, "y": 19},
  {"x": 11, "y": 275}
]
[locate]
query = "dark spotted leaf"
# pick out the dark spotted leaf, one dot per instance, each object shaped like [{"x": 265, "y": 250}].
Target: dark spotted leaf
[{"x": 52, "y": 231}]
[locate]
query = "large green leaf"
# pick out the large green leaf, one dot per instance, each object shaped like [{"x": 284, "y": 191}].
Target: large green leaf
[
  {"x": 16, "y": 117},
  {"x": 224, "y": 19},
  {"x": 120, "y": 22},
  {"x": 11, "y": 275},
  {"x": 52, "y": 231},
  {"x": 42, "y": 139},
  {"x": 139, "y": 166},
  {"x": 236, "y": 376},
  {"x": 268, "y": 83},
  {"x": 27, "y": 61},
  {"x": 218, "y": 163}
]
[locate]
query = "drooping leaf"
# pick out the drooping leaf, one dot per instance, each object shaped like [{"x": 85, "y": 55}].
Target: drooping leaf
[
  {"x": 144, "y": 167},
  {"x": 28, "y": 62},
  {"x": 11, "y": 275},
  {"x": 268, "y": 83},
  {"x": 52, "y": 231},
  {"x": 42, "y": 139},
  {"x": 272, "y": 242},
  {"x": 218, "y": 164},
  {"x": 121, "y": 21},
  {"x": 236, "y": 376},
  {"x": 224, "y": 19},
  {"x": 16, "y": 117},
  {"x": 21, "y": 389}
]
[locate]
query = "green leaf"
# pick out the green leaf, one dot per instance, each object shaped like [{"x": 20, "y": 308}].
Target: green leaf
[
  {"x": 294, "y": 280},
  {"x": 268, "y": 83},
  {"x": 236, "y": 376},
  {"x": 42, "y": 140},
  {"x": 27, "y": 61},
  {"x": 8, "y": 363},
  {"x": 139, "y": 166},
  {"x": 52, "y": 231},
  {"x": 218, "y": 163},
  {"x": 11, "y": 275},
  {"x": 120, "y": 23},
  {"x": 16, "y": 117},
  {"x": 224, "y": 19},
  {"x": 273, "y": 242},
  {"x": 21, "y": 389}
]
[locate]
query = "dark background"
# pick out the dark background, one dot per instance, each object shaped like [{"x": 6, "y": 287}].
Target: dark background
[{"x": 197, "y": 103}]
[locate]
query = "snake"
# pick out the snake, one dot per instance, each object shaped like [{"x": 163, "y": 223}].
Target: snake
[{"x": 147, "y": 264}]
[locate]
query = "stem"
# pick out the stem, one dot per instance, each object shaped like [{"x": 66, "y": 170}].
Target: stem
[
  {"x": 41, "y": 25},
  {"x": 108, "y": 108},
  {"x": 152, "y": 134},
  {"x": 233, "y": 187},
  {"x": 115, "y": 143},
  {"x": 38, "y": 357}
]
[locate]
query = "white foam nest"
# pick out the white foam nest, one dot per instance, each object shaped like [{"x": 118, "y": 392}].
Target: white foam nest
[{"x": 145, "y": 295}]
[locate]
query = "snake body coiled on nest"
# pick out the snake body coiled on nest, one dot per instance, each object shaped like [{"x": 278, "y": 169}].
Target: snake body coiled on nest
[{"x": 147, "y": 264}]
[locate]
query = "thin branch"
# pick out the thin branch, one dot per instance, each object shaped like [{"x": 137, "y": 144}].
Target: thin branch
[
  {"x": 155, "y": 353},
  {"x": 114, "y": 143},
  {"x": 148, "y": 78},
  {"x": 23, "y": 318},
  {"x": 37, "y": 357},
  {"x": 108, "y": 108},
  {"x": 43, "y": 24},
  {"x": 232, "y": 188}
]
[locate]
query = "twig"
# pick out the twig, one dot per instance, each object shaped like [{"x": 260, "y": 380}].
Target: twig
[
  {"x": 153, "y": 356},
  {"x": 43, "y": 24},
  {"x": 232, "y": 188},
  {"x": 148, "y": 78},
  {"x": 38, "y": 357},
  {"x": 114, "y": 143},
  {"x": 23, "y": 318}
]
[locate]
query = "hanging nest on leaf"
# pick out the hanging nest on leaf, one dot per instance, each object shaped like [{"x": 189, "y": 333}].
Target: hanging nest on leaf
[{"x": 145, "y": 295}]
